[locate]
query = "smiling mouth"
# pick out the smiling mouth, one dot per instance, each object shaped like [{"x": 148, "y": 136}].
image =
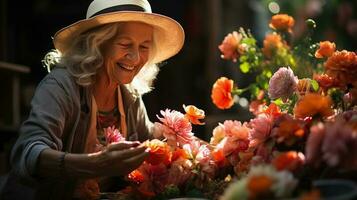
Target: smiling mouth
[{"x": 127, "y": 67}]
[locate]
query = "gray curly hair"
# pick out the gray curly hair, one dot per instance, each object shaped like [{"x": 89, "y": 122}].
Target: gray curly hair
[{"x": 84, "y": 57}]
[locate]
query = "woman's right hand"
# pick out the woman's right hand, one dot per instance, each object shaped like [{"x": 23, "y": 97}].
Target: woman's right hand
[{"x": 119, "y": 158}]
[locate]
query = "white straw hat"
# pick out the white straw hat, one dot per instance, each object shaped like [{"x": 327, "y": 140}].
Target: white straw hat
[{"x": 169, "y": 33}]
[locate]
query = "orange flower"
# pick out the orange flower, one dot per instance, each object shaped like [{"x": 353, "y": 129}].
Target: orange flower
[
  {"x": 259, "y": 186},
  {"x": 194, "y": 114},
  {"x": 288, "y": 130},
  {"x": 230, "y": 47},
  {"x": 221, "y": 93},
  {"x": 89, "y": 189},
  {"x": 219, "y": 158},
  {"x": 159, "y": 152},
  {"x": 326, "y": 49},
  {"x": 179, "y": 153},
  {"x": 271, "y": 43},
  {"x": 136, "y": 176},
  {"x": 290, "y": 160},
  {"x": 325, "y": 81},
  {"x": 313, "y": 104},
  {"x": 273, "y": 110},
  {"x": 282, "y": 22},
  {"x": 342, "y": 66}
]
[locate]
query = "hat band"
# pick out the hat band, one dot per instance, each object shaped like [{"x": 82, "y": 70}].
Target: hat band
[{"x": 126, "y": 7}]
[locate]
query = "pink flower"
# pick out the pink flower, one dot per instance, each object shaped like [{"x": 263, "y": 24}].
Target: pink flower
[
  {"x": 113, "y": 135},
  {"x": 261, "y": 127},
  {"x": 175, "y": 126},
  {"x": 230, "y": 47},
  {"x": 313, "y": 144},
  {"x": 282, "y": 84},
  {"x": 236, "y": 139},
  {"x": 205, "y": 160}
]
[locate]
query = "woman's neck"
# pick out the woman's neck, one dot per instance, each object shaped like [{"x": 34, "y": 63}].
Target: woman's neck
[{"x": 105, "y": 93}]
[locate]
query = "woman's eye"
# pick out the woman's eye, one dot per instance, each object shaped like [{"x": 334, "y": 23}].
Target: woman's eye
[{"x": 144, "y": 47}]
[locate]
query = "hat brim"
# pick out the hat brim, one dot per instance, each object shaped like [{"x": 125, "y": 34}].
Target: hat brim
[{"x": 169, "y": 36}]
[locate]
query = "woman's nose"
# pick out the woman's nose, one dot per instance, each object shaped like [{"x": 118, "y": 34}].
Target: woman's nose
[{"x": 133, "y": 56}]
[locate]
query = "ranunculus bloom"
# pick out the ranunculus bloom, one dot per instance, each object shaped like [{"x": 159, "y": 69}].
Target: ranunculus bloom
[
  {"x": 112, "y": 135},
  {"x": 326, "y": 49},
  {"x": 230, "y": 46},
  {"x": 194, "y": 114},
  {"x": 282, "y": 84},
  {"x": 221, "y": 93},
  {"x": 237, "y": 137},
  {"x": 273, "y": 110},
  {"x": 282, "y": 22},
  {"x": 290, "y": 160},
  {"x": 313, "y": 104},
  {"x": 159, "y": 152},
  {"x": 325, "y": 81},
  {"x": 175, "y": 127},
  {"x": 271, "y": 44},
  {"x": 342, "y": 67}
]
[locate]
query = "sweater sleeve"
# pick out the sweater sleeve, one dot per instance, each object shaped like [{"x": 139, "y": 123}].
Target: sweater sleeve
[{"x": 51, "y": 106}]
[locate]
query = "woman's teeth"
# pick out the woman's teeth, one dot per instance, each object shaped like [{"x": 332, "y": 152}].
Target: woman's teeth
[{"x": 127, "y": 67}]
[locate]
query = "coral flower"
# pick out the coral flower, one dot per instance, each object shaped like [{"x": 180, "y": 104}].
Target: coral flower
[
  {"x": 342, "y": 66},
  {"x": 313, "y": 104},
  {"x": 271, "y": 44},
  {"x": 290, "y": 160},
  {"x": 326, "y": 49},
  {"x": 288, "y": 130},
  {"x": 282, "y": 22},
  {"x": 159, "y": 152},
  {"x": 222, "y": 93},
  {"x": 194, "y": 114},
  {"x": 282, "y": 84},
  {"x": 230, "y": 47}
]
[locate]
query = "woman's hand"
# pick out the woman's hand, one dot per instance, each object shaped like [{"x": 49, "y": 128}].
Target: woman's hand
[{"x": 119, "y": 158}]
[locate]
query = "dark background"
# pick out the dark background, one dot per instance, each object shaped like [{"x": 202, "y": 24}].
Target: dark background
[{"x": 27, "y": 26}]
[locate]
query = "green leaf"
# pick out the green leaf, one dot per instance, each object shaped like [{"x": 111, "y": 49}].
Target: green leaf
[
  {"x": 245, "y": 67},
  {"x": 315, "y": 85}
]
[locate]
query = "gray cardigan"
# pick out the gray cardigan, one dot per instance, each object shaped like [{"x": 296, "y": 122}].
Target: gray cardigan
[{"x": 59, "y": 119}]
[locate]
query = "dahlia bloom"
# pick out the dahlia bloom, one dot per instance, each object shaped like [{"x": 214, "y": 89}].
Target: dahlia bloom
[
  {"x": 175, "y": 127},
  {"x": 282, "y": 22},
  {"x": 194, "y": 114},
  {"x": 326, "y": 49},
  {"x": 112, "y": 135},
  {"x": 282, "y": 84},
  {"x": 221, "y": 94},
  {"x": 230, "y": 47}
]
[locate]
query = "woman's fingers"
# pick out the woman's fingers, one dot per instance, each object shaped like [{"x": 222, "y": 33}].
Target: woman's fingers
[
  {"x": 122, "y": 145},
  {"x": 127, "y": 153},
  {"x": 135, "y": 161}
]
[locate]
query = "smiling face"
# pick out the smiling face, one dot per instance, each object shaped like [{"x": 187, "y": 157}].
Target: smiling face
[{"x": 128, "y": 52}]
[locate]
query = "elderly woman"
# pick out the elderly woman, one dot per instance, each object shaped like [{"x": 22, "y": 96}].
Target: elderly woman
[{"x": 99, "y": 70}]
